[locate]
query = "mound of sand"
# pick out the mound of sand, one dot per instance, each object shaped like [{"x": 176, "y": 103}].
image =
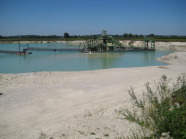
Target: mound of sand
[
  {"x": 174, "y": 58},
  {"x": 181, "y": 46}
]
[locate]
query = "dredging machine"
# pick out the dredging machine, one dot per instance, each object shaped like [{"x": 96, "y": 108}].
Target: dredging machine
[{"x": 106, "y": 43}]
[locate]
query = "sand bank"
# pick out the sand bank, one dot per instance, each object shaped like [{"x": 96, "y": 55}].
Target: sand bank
[
  {"x": 159, "y": 45},
  {"x": 181, "y": 46},
  {"x": 75, "y": 104},
  {"x": 30, "y": 42}
]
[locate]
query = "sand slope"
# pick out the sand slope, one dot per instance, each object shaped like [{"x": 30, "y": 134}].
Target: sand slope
[{"x": 75, "y": 104}]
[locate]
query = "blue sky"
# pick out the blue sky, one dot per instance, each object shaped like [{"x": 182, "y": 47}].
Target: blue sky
[{"x": 85, "y": 17}]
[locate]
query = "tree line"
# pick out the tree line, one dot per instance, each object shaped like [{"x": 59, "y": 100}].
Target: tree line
[{"x": 67, "y": 36}]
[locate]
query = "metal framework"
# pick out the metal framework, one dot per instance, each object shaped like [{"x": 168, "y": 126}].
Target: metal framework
[
  {"x": 146, "y": 42},
  {"x": 103, "y": 43}
]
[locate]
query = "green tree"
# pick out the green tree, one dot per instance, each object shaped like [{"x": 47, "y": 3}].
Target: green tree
[
  {"x": 151, "y": 35},
  {"x": 66, "y": 35},
  {"x": 125, "y": 35},
  {"x": 130, "y": 35}
]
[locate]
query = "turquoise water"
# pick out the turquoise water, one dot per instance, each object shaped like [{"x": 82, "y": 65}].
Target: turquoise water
[{"x": 73, "y": 61}]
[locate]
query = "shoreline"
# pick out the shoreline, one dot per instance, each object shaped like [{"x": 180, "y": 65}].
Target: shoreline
[
  {"x": 181, "y": 46},
  {"x": 76, "y": 104}
]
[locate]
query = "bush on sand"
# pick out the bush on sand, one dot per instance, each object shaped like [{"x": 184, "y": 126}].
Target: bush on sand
[{"x": 161, "y": 113}]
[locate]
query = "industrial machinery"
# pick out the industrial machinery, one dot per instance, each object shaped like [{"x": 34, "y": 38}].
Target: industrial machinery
[{"x": 106, "y": 43}]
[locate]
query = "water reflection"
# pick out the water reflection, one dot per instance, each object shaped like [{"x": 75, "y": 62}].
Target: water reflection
[
  {"x": 148, "y": 56},
  {"x": 103, "y": 60}
]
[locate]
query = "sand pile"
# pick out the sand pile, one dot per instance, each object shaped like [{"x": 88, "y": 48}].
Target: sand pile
[
  {"x": 181, "y": 46},
  {"x": 174, "y": 58}
]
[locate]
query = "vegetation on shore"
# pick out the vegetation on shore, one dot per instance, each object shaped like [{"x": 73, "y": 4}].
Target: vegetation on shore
[
  {"x": 68, "y": 37},
  {"x": 161, "y": 113}
]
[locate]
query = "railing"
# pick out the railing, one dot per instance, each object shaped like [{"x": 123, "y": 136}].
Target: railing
[{"x": 51, "y": 49}]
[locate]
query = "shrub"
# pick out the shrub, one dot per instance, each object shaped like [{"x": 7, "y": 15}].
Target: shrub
[{"x": 161, "y": 110}]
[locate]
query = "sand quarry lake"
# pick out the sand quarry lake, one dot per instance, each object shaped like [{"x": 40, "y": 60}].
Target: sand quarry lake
[
  {"x": 40, "y": 61},
  {"x": 77, "y": 104}
]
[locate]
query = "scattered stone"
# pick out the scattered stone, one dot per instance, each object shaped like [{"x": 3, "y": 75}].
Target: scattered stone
[
  {"x": 81, "y": 132},
  {"x": 106, "y": 134},
  {"x": 92, "y": 133},
  {"x": 42, "y": 135},
  {"x": 165, "y": 135}
]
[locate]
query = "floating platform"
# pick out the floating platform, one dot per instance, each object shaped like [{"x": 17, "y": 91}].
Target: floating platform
[
  {"x": 123, "y": 50},
  {"x": 51, "y": 49}
]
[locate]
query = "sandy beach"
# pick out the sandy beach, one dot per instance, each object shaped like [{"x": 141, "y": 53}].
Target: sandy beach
[{"x": 56, "y": 105}]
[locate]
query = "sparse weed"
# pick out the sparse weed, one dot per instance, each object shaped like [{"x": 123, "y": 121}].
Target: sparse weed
[{"x": 161, "y": 110}]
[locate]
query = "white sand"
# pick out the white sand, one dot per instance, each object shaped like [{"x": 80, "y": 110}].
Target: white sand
[
  {"x": 75, "y": 104},
  {"x": 181, "y": 46}
]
